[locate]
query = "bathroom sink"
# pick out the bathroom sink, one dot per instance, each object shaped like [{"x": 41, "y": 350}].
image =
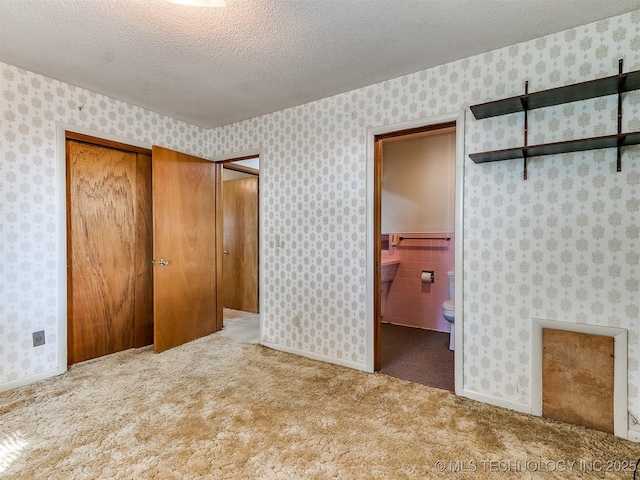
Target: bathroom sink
[
  {"x": 389, "y": 261},
  {"x": 389, "y": 269}
]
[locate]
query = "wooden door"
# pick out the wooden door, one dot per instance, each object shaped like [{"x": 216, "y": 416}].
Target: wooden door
[
  {"x": 109, "y": 288},
  {"x": 240, "y": 258},
  {"x": 184, "y": 247}
]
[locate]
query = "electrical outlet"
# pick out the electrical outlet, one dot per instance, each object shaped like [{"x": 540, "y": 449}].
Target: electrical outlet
[{"x": 38, "y": 338}]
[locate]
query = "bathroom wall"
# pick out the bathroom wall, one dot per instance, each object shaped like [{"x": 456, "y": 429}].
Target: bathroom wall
[
  {"x": 411, "y": 302},
  {"x": 562, "y": 245},
  {"x": 418, "y": 183}
]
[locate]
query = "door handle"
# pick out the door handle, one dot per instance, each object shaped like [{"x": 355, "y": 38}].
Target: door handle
[
  {"x": 225, "y": 252},
  {"x": 163, "y": 262}
]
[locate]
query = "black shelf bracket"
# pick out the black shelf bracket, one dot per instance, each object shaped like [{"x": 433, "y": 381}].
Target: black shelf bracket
[
  {"x": 618, "y": 154},
  {"x": 526, "y": 132}
]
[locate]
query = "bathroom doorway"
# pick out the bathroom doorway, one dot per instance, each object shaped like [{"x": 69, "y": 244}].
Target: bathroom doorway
[{"x": 414, "y": 227}]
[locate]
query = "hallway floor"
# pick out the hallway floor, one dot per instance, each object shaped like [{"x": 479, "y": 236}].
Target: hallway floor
[{"x": 243, "y": 327}]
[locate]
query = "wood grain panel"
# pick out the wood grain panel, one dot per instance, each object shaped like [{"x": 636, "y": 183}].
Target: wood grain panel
[
  {"x": 106, "y": 143},
  {"x": 242, "y": 168},
  {"x": 577, "y": 378},
  {"x": 143, "y": 322},
  {"x": 184, "y": 224},
  {"x": 101, "y": 195},
  {"x": 240, "y": 227}
]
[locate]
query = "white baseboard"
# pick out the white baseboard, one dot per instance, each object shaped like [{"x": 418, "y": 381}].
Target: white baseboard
[
  {"x": 497, "y": 401},
  {"x": 21, "y": 382},
  {"x": 633, "y": 435},
  {"x": 316, "y": 356}
]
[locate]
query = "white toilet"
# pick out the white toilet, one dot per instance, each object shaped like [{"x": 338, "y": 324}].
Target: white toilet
[{"x": 448, "y": 307}]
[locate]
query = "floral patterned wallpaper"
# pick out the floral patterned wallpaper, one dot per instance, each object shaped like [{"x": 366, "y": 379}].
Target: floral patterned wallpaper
[
  {"x": 30, "y": 107},
  {"x": 563, "y": 245}
]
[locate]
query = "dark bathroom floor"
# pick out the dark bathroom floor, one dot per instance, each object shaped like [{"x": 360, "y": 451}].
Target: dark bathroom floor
[{"x": 417, "y": 355}]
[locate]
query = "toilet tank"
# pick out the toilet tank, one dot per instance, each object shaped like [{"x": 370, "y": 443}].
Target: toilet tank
[{"x": 452, "y": 288}]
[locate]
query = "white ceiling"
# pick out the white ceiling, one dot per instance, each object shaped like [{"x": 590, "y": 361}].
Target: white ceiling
[{"x": 211, "y": 67}]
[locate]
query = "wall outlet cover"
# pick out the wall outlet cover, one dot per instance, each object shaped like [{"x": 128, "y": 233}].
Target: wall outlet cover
[{"x": 38, "y": 338}]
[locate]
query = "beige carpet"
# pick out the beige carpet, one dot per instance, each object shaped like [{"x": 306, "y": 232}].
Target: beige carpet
[{"x": 216, "y": 408}]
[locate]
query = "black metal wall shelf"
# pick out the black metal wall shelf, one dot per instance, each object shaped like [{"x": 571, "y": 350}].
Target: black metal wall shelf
[
  {"x": 601, "y": 87},
  {"x": 617, "y": 84},
  {"x": 584, "y": 144}
]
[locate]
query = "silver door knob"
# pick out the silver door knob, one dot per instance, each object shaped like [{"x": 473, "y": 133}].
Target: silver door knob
[
  {"x": 163, "y": 262},
  {"x": 225, "y": 252}
]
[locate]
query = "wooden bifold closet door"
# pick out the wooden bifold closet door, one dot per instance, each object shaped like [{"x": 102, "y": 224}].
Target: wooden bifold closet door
[{"x": 109, "y": 247}]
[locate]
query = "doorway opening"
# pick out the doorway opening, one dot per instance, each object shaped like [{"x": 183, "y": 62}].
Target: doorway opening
[
  {"x": 414, "y": 243},
  {"x": 240, "y": 261}
]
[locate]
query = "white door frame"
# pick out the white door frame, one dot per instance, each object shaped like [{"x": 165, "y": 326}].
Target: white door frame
[
  {"x": 459, "y": 118},
  {"x": 261, "y": 216},
  {"x": 61, "y": 174}
]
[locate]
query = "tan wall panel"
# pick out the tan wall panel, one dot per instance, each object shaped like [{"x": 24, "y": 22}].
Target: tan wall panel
[{"x": 577, "y": 378}]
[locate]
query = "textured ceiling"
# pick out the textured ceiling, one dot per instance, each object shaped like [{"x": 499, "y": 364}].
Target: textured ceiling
[{"x": 211, "y": 67}]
